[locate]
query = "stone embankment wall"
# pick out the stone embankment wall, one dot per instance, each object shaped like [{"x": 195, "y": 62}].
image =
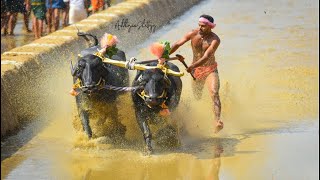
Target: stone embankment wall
[{"x": 24, "y": 70}]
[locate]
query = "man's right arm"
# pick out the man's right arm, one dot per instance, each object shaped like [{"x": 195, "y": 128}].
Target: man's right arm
[{"x": 179, "y": 43}]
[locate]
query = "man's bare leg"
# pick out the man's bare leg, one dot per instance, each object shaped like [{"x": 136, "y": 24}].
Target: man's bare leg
[
  {"x": 56, "y": 19},
  {"x": 12, "y": 22},
  {"x": 213, "y": 84},
  {"x": 49, "y": 20},
  {"x": 40, "y": 26},
  {"x": 65, "y": 14},
  {"x": 26, "y": 16},
  {"x": 197, "y": 87},
  {"x": 4, "y": 22},
  {"x": 35, "y": 27}
]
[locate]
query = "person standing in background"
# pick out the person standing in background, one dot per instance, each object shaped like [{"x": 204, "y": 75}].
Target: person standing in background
[
  {"x": 26, "y": 15},
  {"x": 77, "y": 11},
  {"x": 4, "y": 14},
  {"x": 97, "y": 5},
  {"x": 53, "y": 14},
  {"x": 39, "y": 9},
  {"x": 13, "y": 7},
  {"x": 108, "y": 2},
  {"x": 89, "y": 8},
  {"x": 65, "y": 13}
]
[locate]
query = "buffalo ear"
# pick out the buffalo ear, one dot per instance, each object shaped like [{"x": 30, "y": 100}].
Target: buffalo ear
[{"x": 78, "y": 68}]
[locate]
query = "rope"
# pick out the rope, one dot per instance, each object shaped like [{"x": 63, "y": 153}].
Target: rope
[
  {"x": 115, "y": 88},
  {"x": 77, "y": 85}
]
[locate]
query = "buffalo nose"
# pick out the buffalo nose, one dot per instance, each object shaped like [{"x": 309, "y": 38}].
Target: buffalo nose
[
  {"x": 152, "y": 101},
  {"x": 89, "y": 89},
  {"x": 89, "y": 86}
]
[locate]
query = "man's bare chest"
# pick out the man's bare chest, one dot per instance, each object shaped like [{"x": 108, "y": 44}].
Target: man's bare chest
[{"x": 200, "y": 44}]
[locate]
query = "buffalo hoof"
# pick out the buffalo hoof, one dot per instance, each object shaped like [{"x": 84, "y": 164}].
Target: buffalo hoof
[
  {"x": 89, "y": 137},
  {"x": 148, "y": 150},
  {"x": 89, "y": 134}
]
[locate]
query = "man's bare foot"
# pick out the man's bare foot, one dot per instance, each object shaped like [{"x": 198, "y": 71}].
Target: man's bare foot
[{"x": 219, "y": 126}]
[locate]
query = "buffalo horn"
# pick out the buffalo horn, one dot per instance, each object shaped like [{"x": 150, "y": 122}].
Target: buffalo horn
[{"x": 72, "y": 69}]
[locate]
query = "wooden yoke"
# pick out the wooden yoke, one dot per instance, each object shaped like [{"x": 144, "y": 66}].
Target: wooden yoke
[{"x": 131, "y": 65}]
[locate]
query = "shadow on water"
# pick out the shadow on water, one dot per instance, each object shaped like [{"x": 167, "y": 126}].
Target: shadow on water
[
  {"x": 283, "y": 128},
  {"x": 206, "y": 148}
]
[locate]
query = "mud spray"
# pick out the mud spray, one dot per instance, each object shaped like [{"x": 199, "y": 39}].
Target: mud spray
[{"x": 268, "y": 67}]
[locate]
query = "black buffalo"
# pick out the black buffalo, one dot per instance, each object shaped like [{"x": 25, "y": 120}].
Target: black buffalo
[
  {"x": 159, "y": 91},
  {"x": 90, "y": 75}
]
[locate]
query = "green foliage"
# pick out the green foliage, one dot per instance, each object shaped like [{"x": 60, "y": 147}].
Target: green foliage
[
  {"x": 167, "y": 49},
  {"x": 111, "y": 51}
]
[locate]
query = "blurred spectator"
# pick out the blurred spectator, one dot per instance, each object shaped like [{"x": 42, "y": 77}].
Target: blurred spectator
[
  {"x": 89, "y": 7},
  {"x": 65, "y": 13},
  {"x": 77, "y": 10},
  {"x": 4, "y": 14},
  {"x": 13, "y": 7},
  {"x": 108, "y": 2},
  {"x": 26, "y": 15},
  {"x": 97, "y": 5},
  {"x": 39, "y": 9},
  {"x": 53, "y": 14}
]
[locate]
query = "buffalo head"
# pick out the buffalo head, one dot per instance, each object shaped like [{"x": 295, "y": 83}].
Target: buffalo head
[
  {"x": 155, "y": 84},
  {"x": 90, "y": 72}
]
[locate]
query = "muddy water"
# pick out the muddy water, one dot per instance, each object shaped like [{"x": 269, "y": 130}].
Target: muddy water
[
  {"x": 268, "y": 65},
  {"x": 20, "y": 38}
]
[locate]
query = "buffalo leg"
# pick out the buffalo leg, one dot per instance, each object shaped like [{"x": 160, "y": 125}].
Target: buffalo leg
[
  {"x": 84, "y": 116},
  {"x": 146, "y": 133},
  {"x": 147, "y": 136}
]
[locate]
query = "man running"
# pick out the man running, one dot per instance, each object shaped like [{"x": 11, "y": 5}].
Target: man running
[{"x": 204, "y": 44}]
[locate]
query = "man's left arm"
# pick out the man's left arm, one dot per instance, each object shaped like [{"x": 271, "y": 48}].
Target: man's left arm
[{"x": 209, "y": 52}]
